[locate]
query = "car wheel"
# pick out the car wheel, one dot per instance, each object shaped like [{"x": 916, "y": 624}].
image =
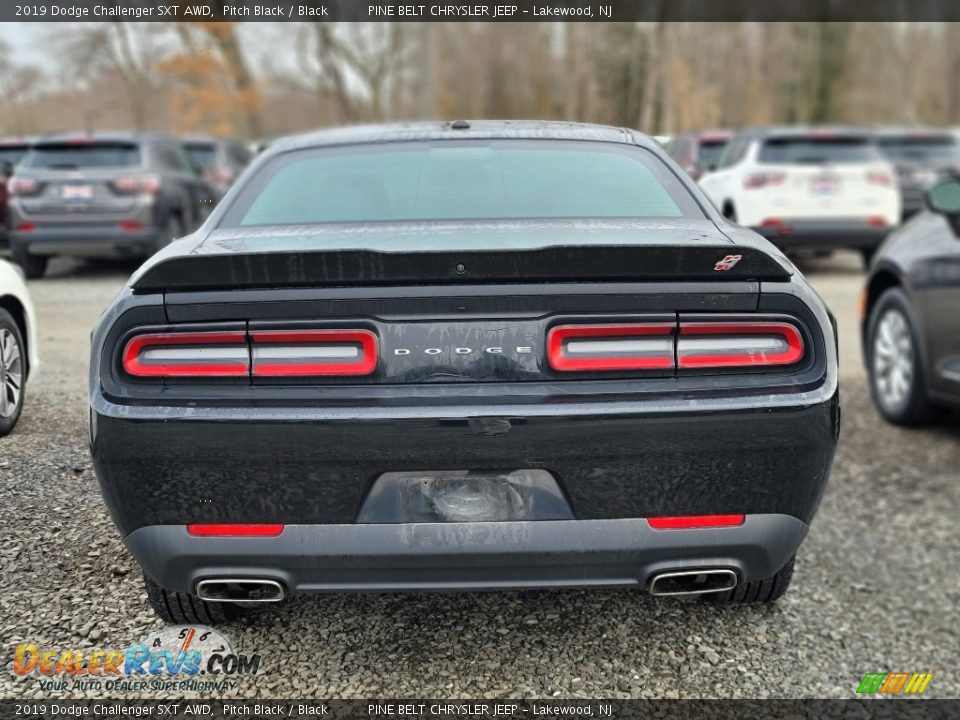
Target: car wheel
[
  {"x": 12, "y": 372},
  {"x": 756, "y": 591},
  {"x": 172, "y": 230},
  {"x": 177, "y": 608},
  {"x": 895, "y": 364},
  {"x": 34, "y": 266}
]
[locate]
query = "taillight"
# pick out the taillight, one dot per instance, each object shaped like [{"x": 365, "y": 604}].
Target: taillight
[
  {"x": 880, "y": 177},
  {"x": 131, "y": 225},
  {"x": 877, "y": 221},
  {"x": 219, "y": 177},
  {"x": 763, "y": 179},
  {"x": 687, "y": 522},
  {"x": 738, "y": 344},
  {"x": 25, "y": 227},
  {"x": 136, "y": 185},
  {"x": 313, "y": 352},
  {"x": 23, "y": 186},
  {"x": 188, "y": 354},
  {"x": 647, "y": 346}
]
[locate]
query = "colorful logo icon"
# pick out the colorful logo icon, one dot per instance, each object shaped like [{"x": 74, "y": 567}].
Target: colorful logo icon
[{"x": 894, "y": 683}]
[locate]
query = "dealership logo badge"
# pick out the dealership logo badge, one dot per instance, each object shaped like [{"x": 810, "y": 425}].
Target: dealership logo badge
[
  {"x": 728, "y": 263},
  {"x": 162, "y": 660}
]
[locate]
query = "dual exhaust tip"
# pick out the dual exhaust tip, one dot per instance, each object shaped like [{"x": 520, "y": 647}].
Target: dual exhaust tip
[
  {"x": 693, "y": 582},
  {"x": 247, "y": 590},
  {"x": 252, "y": 590}
]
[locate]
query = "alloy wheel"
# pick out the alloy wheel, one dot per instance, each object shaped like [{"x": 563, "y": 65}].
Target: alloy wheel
[
  {"x": 11, "y": 373},
  {"x": 893, "y": 360}
]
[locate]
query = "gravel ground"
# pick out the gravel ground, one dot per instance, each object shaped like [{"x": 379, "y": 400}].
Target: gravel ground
[{"x": 875, "y": 590}]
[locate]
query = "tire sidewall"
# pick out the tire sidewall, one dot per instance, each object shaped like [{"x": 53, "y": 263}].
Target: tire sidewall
[
  {"x": 896, "y": 299},
  {"x": 8, "y": 323}
]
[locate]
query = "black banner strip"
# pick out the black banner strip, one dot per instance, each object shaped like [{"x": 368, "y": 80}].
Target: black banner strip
[{"x": 482, "y": 11}]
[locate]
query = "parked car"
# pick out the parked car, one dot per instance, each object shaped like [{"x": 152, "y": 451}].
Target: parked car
[
  {"x": 106, "y": 194},
  {"x": 18, "y": 344},
  {"x": 804, "y": 189},
  {"x": 220, "y": 159},
  {"x": 698, "y": 152},
  {"x": 911, "y": 323},
  {"x": 12, "y": 151},
  {"x": 463, "y": 355},
  {"x": 921, "y": 157}
]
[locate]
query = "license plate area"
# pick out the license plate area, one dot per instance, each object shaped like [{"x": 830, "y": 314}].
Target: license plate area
[
  {"x": 459, "y": 496},
  {"x": 825, "y": 185},
  {"x": 77, "y": 193}
]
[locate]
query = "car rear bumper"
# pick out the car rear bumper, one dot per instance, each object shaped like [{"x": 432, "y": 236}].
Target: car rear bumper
[
  {"x": 824, "y": 235},
  {"x": 95, "y": 241},
  {"x": 312, "y": 469},
  {"x": 466, "y": 556}
]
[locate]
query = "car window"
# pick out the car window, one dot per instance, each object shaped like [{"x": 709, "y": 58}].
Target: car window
[
  {"x": 709, "y": 152},
  {"x": 802, "y": 150},
  {"x": 919, "y": 147},
  {"x": 12, "y": 154},
  {"x": 466, "y": 180},
  {"x": 83, "y": 154},
  {"x": 203, "y": 154}
]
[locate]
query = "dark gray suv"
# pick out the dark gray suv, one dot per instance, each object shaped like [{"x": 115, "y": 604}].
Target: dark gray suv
[{"x": 103, "y": 195}]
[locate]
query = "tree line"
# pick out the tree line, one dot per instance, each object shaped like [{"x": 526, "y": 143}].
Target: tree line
[{"x": 262, "y": 79}]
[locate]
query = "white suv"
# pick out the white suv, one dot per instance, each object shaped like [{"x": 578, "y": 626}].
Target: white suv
[{"x": 807, "y": 188}]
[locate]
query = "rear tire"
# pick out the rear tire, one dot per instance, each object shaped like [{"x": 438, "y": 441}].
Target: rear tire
[
  {"x": 13, "y": 372},
  {"x": 756, "y": 591},
  {"x": 177, "y": 608},
  {"x": 34, "y": 266},
  {"x": 172, "y": 230},
  {"x": 895, "y": 365}
]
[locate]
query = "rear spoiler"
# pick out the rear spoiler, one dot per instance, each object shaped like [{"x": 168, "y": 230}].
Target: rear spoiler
[{"x": 602, "y": 263}]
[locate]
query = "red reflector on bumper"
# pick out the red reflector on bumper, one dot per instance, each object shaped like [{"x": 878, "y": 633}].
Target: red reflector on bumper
[
  {"x": 235, "y": 530},
  {"x": 686, "y": 522}
]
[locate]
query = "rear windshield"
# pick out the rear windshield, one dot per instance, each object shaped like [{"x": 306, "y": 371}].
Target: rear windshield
[
  {"x": 203, "y": 154},
  {"x": 464, "y": 180},
  {"x": 709, "y": 152},
  {"x": 12, "y": 154},
  {"x": 918, "y": 147},
  {"x": 816, "y": 150},
  {"x": 83, "y": 155}
]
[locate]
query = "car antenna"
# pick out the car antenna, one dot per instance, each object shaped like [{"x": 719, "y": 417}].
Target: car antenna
[{"x": 460, "y": 125}]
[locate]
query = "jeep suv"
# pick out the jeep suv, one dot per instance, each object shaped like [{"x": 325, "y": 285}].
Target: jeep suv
[{"x": 103, "y": 195}]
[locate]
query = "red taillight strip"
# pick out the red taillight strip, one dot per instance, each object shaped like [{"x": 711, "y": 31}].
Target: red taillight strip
[
  {"x": 364, "y": 341},
  {"x": 658, "y": 357},
  {"x": 687, "y": 522},
  {"x": 739, "y": 358},
  {"x": 235, "y": 530},
  {"x": 134, "y": 364}
]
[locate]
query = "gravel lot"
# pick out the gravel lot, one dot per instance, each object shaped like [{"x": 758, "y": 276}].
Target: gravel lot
[{"x": 876, "y": 586}]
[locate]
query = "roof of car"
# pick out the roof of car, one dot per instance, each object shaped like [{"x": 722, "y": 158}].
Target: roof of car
[
  {"x": 911, "y": 131},
  {"x": 806, "y": 130},
  {"x": 473, "y": 129},
  {"x": 103, "y": 135}
]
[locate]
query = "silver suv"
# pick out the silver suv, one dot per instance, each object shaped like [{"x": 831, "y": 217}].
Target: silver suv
[{"x": 103, "y": 195}]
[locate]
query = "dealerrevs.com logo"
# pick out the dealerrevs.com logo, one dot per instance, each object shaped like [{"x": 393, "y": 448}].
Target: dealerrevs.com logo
[{"x": 184, "y": 657}]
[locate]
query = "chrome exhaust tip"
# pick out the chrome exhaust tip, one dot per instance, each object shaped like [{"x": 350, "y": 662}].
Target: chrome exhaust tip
[
  {"x": 247, "y": 590},
  {"x": 693, "y": 582}
]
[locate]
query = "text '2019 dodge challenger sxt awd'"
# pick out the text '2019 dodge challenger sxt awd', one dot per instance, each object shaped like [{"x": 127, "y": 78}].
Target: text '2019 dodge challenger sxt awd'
[{"x": 463, "y": 356}]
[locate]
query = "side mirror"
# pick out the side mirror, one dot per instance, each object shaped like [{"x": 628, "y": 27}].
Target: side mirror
[{"x": 944, "y": 199}]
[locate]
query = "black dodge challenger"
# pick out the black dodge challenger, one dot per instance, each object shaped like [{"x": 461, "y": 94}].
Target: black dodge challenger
[{"x": 463, "y": 356}]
